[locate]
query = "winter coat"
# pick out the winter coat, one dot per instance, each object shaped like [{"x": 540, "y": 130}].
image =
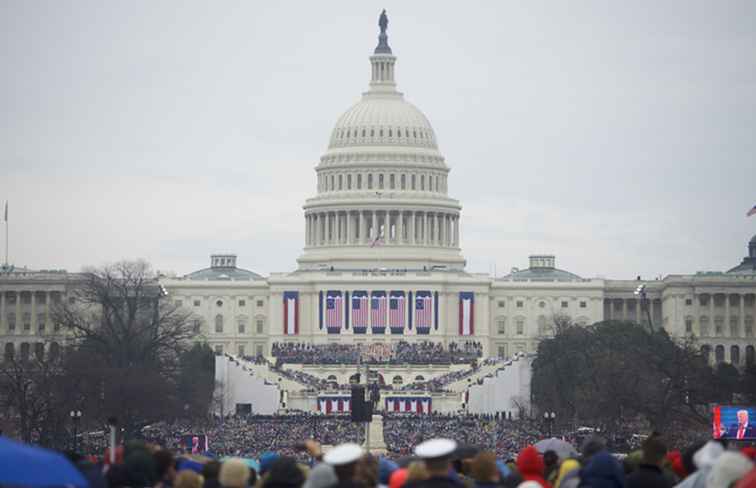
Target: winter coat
[
  {"x": 602, "y": 471},
  {"x": 530, "y": 465},
  {"x": 648, "y": 476}
]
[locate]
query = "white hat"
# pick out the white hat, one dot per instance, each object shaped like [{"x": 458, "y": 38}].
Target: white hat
[
  {"x": 435, "y": 448},
  {"x": 343, "y": 454}
]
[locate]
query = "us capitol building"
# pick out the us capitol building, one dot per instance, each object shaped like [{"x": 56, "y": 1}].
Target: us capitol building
[{"x": 382, "y": 262}]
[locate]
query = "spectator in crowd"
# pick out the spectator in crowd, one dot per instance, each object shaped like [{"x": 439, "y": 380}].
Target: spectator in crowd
[
  {"x": 649, "y": 471},
  {"x": 165, "y": 468},
  {"x": 484, "y": 471},
  {"x": 602, "y": 471},
  {"x": 234, "y": 473},
  {"x": 531, "y": 466},
  {"x": 187, "y": 479}
]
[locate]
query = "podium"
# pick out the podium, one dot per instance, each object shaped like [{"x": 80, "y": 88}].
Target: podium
[{"x": 374, "y": 442}]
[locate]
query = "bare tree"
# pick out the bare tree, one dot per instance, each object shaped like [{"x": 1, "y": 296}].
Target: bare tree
[{"x": 128, "y": 339}]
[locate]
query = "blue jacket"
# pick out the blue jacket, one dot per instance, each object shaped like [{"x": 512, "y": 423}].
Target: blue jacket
[{"x": 602, "y": 471}]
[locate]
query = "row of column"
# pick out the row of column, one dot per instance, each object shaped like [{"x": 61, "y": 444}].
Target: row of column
[
  {"x": 391, "y": 227},
  {"x": 727, "y": 323},
  {"x": 18, "y": 311}
]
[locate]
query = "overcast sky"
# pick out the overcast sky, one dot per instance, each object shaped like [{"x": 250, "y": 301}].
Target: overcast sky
[{"x": 619, "y": 136}]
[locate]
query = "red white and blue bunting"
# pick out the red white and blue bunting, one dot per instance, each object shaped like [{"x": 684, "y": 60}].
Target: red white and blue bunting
[{"x": 415, "y": 404}]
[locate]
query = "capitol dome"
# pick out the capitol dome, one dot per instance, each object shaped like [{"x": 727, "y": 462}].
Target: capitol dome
[
  {"x": 383, "y": 118},
  {"x": 382, "y": 186}
]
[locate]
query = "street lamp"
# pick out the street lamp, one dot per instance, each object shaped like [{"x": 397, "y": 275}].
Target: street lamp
[
  {"x": 75, "y": 419},
  {"x": 550, "y": 418}
]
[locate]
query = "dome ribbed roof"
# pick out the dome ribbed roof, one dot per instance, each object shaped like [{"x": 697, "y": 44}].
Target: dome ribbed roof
[{"x": 380, "y": 119}]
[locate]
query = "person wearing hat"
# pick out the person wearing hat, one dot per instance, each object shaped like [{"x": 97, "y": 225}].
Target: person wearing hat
[
  {"x": 437, "y": 456},
  {"x": 344, "y": 458}
]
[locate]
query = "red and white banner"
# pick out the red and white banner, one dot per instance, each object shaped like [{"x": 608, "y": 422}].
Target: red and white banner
[
  {"x": 334, "y": 404},
  {"x": 421, "y": 405},
  {"x": 291, "y": 312},
  {"x": 466, "y": 313}
]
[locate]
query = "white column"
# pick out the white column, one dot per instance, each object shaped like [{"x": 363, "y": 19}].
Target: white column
[
  {"x": 436, "y": 233},
  {"x": 400, "y": 228},
  {"x": 727, "y": 329},
  {"x": 349, "y": 229},
  {"x": 386, "y": 228},
  {"x": 741, "y": 316},
  {"x": 426, "y": 221},
  {"x": 308, "y": 229},
  {"x": 361, "y": 233},
  {"x": 456, "y": 239},
  {"x": 411, "y": 236}
]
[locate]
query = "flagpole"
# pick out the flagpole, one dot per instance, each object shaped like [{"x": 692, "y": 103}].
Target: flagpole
[{"x": 6, "y": 233}]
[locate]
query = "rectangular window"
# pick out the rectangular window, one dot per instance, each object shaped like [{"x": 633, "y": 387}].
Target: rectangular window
[
  {"x": 564, "y": 304},
  {"x": 392, "y": 182},
  {"x": 41, "y": 298},
  {"x": 240, "y": 349},
  {"x": 688, "y": 326},
  {"x": 502, "y": 303},
  {"x": 218, "y": 327},
  {"x": 404, "y": 182},
  {"x": 370, "y": 182},
  {"x": 749, "y": 330},
  {"x": 196, "y": 303},
  {"x": 688, "y": 302},
  {"x": 341, "y": 180},
  {"x": 196, "y": 326},
  {"x": 241, "y": 327},
  {"x": 10, "y": 298},
  {"x": 349, "y": 182},
  {"x": 259, "y": 326},
  {"x": 242, "y": 303},
  {"x": 501, "y": 327},
  {"x": 27, "y": 326},
  {"x": 260, "y": 303},
  {"x": 413, "y": 182},
  {"x": 520, "y": 327},
  {"x": 26, "y": 298},
  {"x": 583, "y": 304},
  {"x": 259, "y": 350},
  {"x": 41, "y": 322},
  {"x": 519, "y": 304},
  {"x": 502, "y": 351},
  {"x": 422, "y": 182},
  {"x": 359, "y": 182},
  {"x": 11, "y": 324}
]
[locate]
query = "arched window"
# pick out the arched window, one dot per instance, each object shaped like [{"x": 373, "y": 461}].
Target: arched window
[
  {"x": 363, "y": 132},
  {"x": 419, "y": 378},
  {"x": 54, "y": 350},
  {"x": 390, "y": 133},
  {"x": 704, "y": 326},
  {"x": 735, "y": 354},
  {"x": 397, "y": 380},
  {"x": 392, "y": 181},
  {"x": 341, "y": 181},
  {"x": 332, "y": 377},
  {"x": 359, "y": 182},
  {"x": 332, "y": 187},
  {"x": 370, "y": 182},
  {"x": 372, "y": 132},
  {"x": 719, "y": 353},
  {"x": 413, "y": 182},
  {"x": 430, "y": 182},
  {"x": 541, "y": 324},
  {"x": 380, "y": 133},
  {"x": 750, "y": 355},
  {"x": 422, "y": 182},
  {"x": 25, "y": 349},
  {"x": 706, "y": 352},
  {"x": 404, "y": 182},
  {"x": 219, "y": 324},
  {"x": 380, "y": 181},
  {"x": 349, "y": 182},
  {"x": 10, "y": 351}
]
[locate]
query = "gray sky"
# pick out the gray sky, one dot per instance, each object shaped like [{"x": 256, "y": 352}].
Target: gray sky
[{"x": 619, "y": 136}]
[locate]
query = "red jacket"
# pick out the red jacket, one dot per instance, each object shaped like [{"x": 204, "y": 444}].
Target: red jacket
[{"x": 530, "y": 465}]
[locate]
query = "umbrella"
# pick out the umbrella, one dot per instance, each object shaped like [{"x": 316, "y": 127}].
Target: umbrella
[
  {"x": 563, "y": 449},
  {"x": 28, "y": 466}
]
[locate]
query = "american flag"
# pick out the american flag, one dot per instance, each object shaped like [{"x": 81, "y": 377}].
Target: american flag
[
  {"x": 750, "y": 212},
  {"x": 396, "y": 310},
  {"x": 359, "y": 309},
  {"x": 378, "y": 309},
  {"x": 423, "y": 310},
  {"x": 334, "y": 307}
]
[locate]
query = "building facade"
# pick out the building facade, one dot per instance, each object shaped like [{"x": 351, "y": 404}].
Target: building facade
[{"x": 382, "y": 262}]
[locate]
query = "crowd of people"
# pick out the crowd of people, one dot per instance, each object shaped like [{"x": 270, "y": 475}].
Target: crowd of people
[
  {"x": 425, "y": 451},
  {"x": 402, "y": 352}
]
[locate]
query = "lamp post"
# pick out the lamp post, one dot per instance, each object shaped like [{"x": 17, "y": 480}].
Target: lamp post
[
  {"x": 75, "y": 419},
  {"x": 641, "y": 292},
  {"x": 550, "y": 418}
]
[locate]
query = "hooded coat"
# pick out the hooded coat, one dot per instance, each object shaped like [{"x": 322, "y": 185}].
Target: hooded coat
[
  {"x": 531, "y": 466},
  {"x": 602, "y": 471},
  {"x": 704, "y": 459}
]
